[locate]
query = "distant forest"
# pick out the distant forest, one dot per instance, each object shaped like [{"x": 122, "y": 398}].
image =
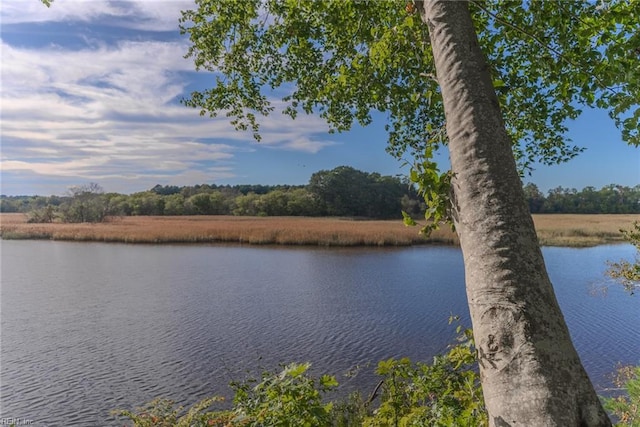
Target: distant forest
[
  {"x": 343, "y": 191},
  {"x": 610, "y": 199}
]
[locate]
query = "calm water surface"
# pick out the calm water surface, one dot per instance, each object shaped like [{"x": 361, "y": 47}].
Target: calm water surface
[{"x": 90, "y": 327}]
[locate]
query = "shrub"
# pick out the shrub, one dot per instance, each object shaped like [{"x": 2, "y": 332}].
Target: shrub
[
  {"x": 164, "y": 413},
  {"x": 46, "y": 214},
  {"x": 626, "y": 407},
  {"x": 444, "y": 393},
  {"x": 290, "y": 398}
]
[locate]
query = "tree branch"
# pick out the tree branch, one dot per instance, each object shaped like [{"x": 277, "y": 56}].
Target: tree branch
[{"x": 544, "y": 45}]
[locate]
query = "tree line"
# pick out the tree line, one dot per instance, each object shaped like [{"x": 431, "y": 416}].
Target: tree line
[
  {"x": 343, "y": 191},
  {"x": 610, "y": 199}
]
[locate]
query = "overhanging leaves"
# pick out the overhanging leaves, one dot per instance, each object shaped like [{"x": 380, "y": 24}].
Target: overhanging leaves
[{"x": 346, "y": 60}]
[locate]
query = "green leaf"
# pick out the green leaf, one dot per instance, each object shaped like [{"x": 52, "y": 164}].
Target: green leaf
[
  {"x": 328, "y": 381},
  {"x": 408, "y": 220}
]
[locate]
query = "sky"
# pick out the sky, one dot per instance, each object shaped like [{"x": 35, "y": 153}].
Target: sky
[{"x": 90, "y": 92}]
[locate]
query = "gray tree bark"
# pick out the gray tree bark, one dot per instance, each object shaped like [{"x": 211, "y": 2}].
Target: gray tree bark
[{"x": 531, "y": 373}]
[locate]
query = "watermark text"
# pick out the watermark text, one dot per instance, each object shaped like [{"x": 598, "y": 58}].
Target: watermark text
[{"x": 11, "y": 421}]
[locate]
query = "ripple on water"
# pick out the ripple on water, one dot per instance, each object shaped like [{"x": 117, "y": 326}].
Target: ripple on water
[{"x": 182, "y": 321}]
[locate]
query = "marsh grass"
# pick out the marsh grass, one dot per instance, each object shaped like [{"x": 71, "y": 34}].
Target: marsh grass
[
  {"x": 227, "y": 229},
  {"x": 554, "y": 230},
  {"x": 581, "y": 230}
]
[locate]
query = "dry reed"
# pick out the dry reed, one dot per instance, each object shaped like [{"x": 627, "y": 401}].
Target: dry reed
[
  {"x": 558, "y": 230},
  {"x": 580, "y": 229},
  {"x": 213, "y": 229}
]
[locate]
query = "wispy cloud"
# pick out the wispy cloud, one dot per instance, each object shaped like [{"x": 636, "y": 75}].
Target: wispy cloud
[
  {"x": 152, "y": 15},
  {"x": 110, "y": 112}
]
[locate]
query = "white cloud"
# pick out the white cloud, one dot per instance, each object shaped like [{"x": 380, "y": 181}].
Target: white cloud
[
  {"x": 110, "y": 113},
  {"x": 308, "y": 145},
  {"x": 153, "y": 15}
]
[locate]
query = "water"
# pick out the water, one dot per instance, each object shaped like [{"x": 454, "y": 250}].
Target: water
[{"x": 90, "y": 327}]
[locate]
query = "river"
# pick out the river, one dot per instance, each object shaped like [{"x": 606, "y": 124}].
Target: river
[{"x": 90, "y": 327}]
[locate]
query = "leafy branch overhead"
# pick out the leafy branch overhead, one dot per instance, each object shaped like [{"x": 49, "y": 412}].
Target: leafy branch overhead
[
  {"x": 561, "y": 56},
  {"x": 346, "y": 60},
  {"x": 625, "y": 272}
]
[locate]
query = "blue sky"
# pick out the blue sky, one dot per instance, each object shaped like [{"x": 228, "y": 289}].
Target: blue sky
[{"x": 90, "y": 93}]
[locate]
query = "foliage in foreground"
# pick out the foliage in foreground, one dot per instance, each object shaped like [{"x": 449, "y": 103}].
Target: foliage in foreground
[
  {"x": 626, "y": 407},
  {"x": 164, "y": 413},
  {"x": 443, "y": 393},
  {"x": 446, "y": 392}
]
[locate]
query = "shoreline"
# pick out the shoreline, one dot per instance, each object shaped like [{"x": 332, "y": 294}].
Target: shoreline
[{"x": 571, "y": 230}]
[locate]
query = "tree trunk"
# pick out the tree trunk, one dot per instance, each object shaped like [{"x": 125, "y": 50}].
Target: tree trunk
[{"x": 531, "y": 374}]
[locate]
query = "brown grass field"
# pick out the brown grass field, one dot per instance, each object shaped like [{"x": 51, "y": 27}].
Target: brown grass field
[{"x": 553, "y": 230}]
